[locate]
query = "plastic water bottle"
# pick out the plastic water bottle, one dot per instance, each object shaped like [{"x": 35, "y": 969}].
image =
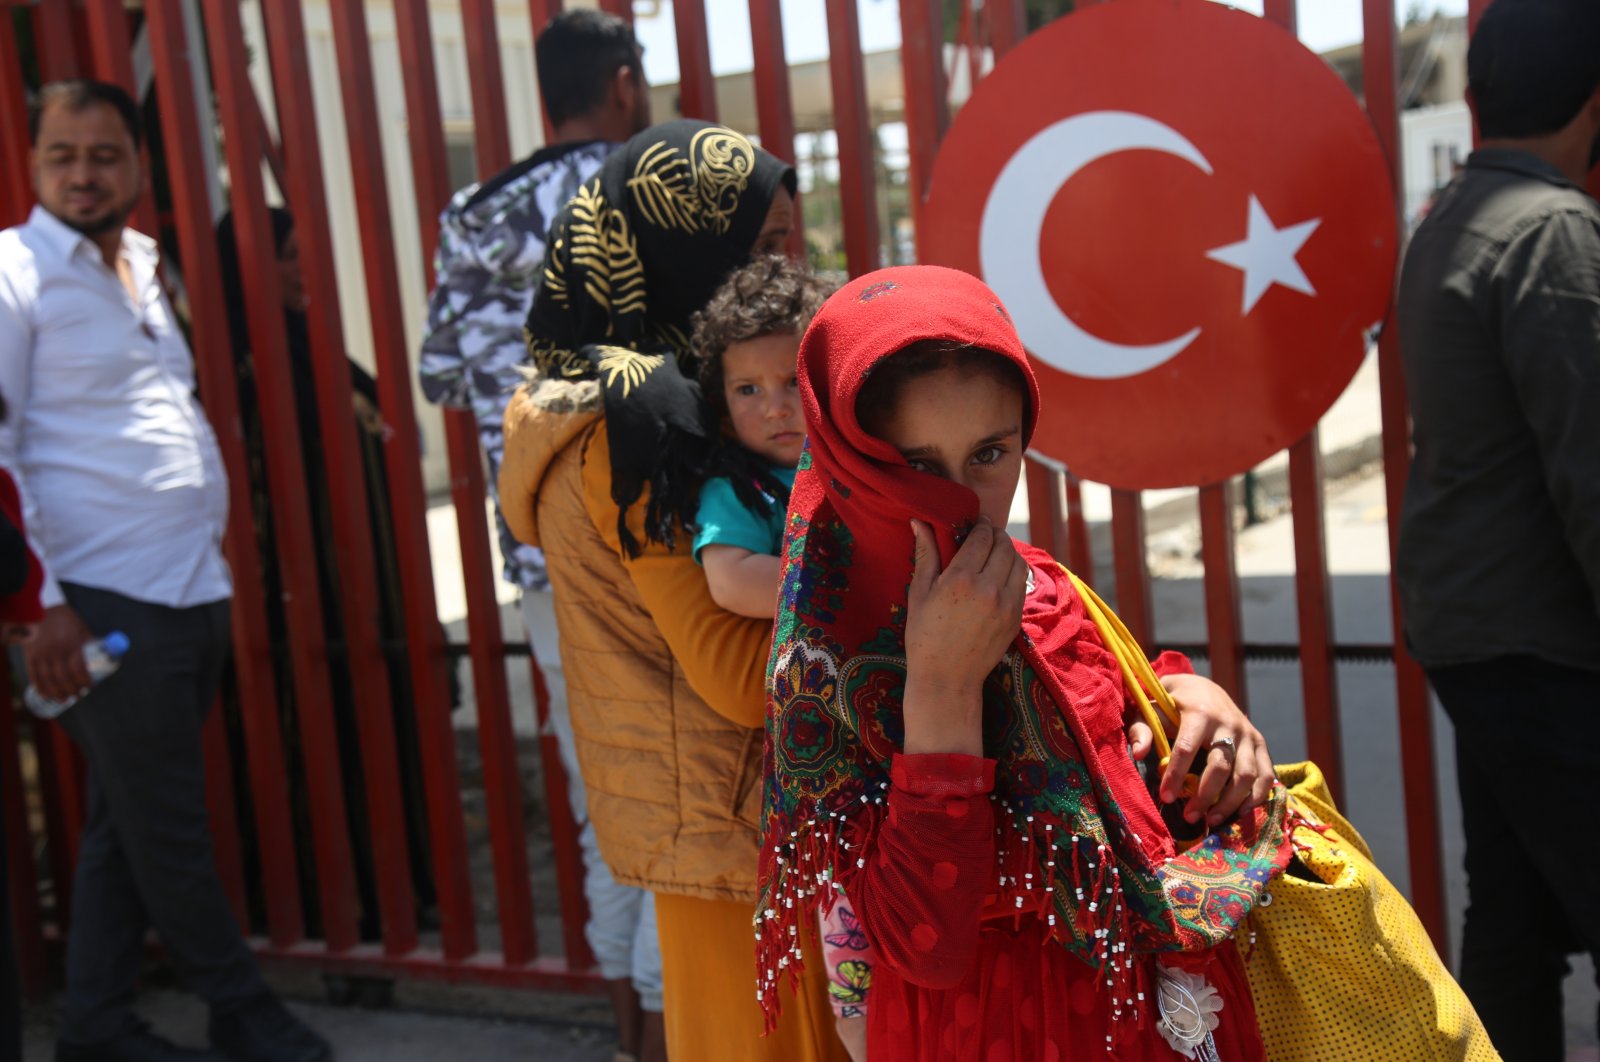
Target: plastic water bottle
[{"x": 101, "y": 656}]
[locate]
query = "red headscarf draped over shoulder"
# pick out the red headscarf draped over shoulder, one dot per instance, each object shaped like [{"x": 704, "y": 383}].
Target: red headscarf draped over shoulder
[{"x": 1082, "y": 844}]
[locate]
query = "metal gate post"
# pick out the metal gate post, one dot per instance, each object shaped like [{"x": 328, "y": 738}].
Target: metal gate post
[
  {"x": 774, "y": 104},
  {"x": 357, "y": 578},
  {"x": 291, "y": 512},
  {"x": 16, "y": 184},
  {"x": 258, "y": 685},
  {"x": 22, "y": 874},
  {"x": 430, "y": 175},
  {"x": 496, "y": 740},
  {"x": 697, "y": 88},
  {"x": 852, "y": 124},
  {"x": 1223, "y": 628},
  {"x": 424, "y": 637},
  {"x": 1379, "y": 65}
]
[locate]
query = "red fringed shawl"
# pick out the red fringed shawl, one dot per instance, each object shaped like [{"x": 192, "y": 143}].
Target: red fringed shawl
[{"x": 1081, "y": 844}]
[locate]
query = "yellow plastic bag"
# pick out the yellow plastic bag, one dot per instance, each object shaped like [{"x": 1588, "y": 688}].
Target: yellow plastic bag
[{"x": 1341, "y": 966}]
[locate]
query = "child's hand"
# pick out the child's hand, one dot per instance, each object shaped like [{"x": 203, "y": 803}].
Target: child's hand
[{"x": 959, "y": 623}]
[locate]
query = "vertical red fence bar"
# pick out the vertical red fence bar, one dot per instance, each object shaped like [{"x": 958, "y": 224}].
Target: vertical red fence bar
[
  {"x": 1044, "y": 507},
  {"x": 852, "y": 124},
  {"x": 1132, "y": 572},
  {"x": 501, "y": 782},
  {"x": 60, "y": 841},
  {"x": 426, "y": 654},
  {"x": 16, "y": 188},
  {"x": 697, "y": 88},
  {"x": 291, "y": 513},
  {"x": 226, "y": 851},
  {"x": 431, "y": 175},
  {"x": 927, "y": 109},
  {"x": 357, "y": 577},
  {"x": 623, "y": 9},
  {"x": 175, "y": 67},
  {"x": 1314, "y": 602},
  {"x": 1475, "y": 10},
  {"x": 1080, "y": 551},
  {"x": 1223, "y": 634},
  {"x": 54, "y": 38},
  {"x": 774, "y": 102},
  {"x": 564, "y": 839},
  {"x": 111, "y": 53},
  {"x": 540, "y": 12},
  {"x": 425, "y": 641},
  {"x": 1008, "y": 24},
  {"x": 490, "y": 134},
  {"x": 62, "y": 779},
  {"x": 109, "y": 44},
  {"x": 1314, "y": 608},
  {"x": 1379, "y": 64},
  {"x": 22, "y": 882}
]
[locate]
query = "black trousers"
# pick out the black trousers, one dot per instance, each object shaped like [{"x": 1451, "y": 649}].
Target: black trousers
[
  {"x": 1525, "y": 741},
  {"x": 145, "y": 857}
]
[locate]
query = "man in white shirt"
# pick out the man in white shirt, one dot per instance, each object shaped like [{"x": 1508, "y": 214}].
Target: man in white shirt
[{"x": 125, "y": 499}]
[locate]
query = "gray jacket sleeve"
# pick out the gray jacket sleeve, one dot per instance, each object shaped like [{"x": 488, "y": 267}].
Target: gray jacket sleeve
[{"x": 444, "y": 368}]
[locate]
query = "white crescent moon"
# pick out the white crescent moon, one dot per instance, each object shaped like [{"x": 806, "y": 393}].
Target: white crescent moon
[{"x": 1013, "y": 218}]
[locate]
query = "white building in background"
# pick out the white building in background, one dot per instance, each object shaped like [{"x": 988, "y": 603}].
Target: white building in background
[{"x": 1435, "y": 140}]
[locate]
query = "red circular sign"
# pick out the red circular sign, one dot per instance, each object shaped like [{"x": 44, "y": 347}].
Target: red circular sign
[{"x": 1191, "y": 222}]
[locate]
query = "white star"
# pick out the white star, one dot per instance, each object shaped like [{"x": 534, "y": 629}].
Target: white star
[{"x": 1267, "y": 255}]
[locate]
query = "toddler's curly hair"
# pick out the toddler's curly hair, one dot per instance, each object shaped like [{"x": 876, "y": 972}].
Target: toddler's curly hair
[{"x": 771, "y": 295}]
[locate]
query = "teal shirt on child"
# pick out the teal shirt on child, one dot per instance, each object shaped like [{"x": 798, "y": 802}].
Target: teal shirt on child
[{"x": 725, "y": 522}]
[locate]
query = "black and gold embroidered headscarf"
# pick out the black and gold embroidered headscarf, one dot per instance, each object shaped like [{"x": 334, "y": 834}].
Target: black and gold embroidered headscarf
[{"x": 640, "y": 248}]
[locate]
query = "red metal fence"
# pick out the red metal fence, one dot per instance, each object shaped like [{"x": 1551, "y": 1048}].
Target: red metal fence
[{"x": 93, "y": 37}]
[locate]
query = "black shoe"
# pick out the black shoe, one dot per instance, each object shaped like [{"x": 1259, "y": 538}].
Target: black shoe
[
  {"x": 263, "y": 1030},
  {"x": 141, "y": 1045}
]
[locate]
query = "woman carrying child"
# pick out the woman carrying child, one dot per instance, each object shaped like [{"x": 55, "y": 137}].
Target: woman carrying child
[
  {"x": 605, "y": 452},
  {"x": 948, "y": 735},
  {"x": 747, "y": 343}
]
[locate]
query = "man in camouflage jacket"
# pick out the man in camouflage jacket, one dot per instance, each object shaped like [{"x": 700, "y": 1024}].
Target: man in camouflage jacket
[{"x": 491, "y": 249}]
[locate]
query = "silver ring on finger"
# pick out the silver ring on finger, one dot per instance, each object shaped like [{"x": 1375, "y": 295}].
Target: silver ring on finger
[{"x": 1225, "y": 744}]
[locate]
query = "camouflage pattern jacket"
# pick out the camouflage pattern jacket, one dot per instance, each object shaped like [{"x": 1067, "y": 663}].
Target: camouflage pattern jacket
[{"x": 491, "y": 248}]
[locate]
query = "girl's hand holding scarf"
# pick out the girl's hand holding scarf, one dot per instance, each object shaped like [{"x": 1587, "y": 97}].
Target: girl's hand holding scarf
[{"x": 959, "y": 623}]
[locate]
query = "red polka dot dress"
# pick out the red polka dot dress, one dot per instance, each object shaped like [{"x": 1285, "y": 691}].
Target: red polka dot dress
[{"x": 953, "y": 980}]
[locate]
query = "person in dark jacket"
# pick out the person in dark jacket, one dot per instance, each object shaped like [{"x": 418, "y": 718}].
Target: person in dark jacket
[{"x": 1499, "y": 559}]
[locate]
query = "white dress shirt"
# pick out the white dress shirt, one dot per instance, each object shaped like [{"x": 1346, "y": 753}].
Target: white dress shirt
[{"x": 122, "y": 484}]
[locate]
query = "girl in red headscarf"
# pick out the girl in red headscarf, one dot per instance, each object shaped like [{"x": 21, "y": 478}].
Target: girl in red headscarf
[{"x": 948, "y": 738}]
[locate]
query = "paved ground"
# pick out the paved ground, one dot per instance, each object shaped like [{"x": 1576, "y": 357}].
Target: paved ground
[{"x": 400, "y": 1034}]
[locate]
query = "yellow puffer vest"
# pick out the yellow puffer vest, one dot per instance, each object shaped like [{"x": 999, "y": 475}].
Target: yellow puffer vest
[{"x": 673, "y": 781}]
